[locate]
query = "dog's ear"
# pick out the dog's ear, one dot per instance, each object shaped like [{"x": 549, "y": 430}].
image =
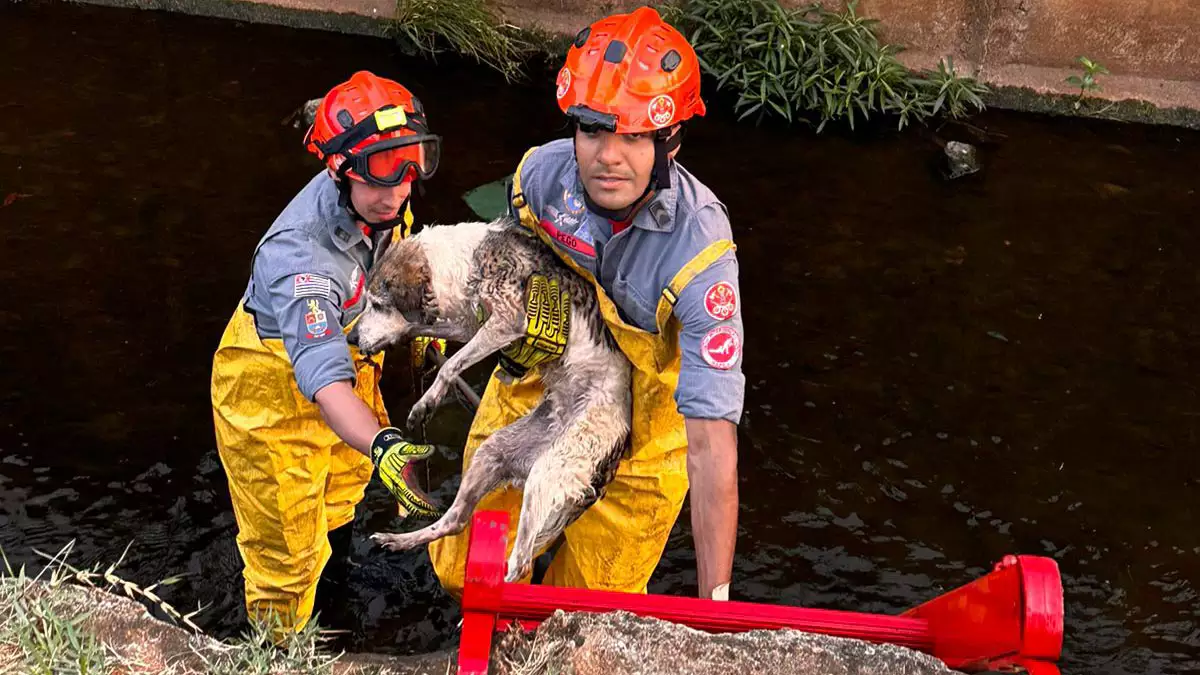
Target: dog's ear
[
  {"x": 414, "y": 272},
  {"x": 408, "y": 282}
]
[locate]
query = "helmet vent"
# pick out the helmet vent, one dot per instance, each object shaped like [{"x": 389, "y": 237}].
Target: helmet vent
[
  {"x": 671, "y": 60},
  {"x": 615, "y": 52},
  {"x": 582, "y": 36}
]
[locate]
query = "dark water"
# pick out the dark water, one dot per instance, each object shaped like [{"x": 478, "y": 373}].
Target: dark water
[{"x": 940, "y": 373}]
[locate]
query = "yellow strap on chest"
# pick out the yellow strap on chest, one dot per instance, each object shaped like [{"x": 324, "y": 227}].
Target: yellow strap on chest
[
  {"x": 406, "y": 230},
  {"x": 527, "y": 217},
  {"x": 670, "y": 294}
]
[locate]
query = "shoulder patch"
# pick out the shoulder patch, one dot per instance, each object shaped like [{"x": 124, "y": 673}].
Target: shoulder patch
[
  {"x": 721, "y": 347},
  {"x": 311, "y": 286},
  {"x": 720, "y": 301},
  {"x": 316, "y": 323}
]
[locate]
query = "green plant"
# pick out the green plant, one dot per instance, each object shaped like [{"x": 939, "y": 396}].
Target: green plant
[
  {"x": 257, "y": 653},
  {"x": 468, "y": 27},
  {"x": 41, "y": 631},
  {"x": 814, "y": 62},
  {"x": 1086, "y": 81},
  {"x": 956, "y": 95},
  {"x": 40, "y": 637}
]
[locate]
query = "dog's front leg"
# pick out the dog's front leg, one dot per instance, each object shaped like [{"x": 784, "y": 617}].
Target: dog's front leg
[
  {"x": 494, "y": 335},
  {"x": 443, "y": 330}
]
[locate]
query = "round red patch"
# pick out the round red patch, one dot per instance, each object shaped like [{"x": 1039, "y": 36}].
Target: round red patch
[
  {"x": 661, "y": 110},
  {"x": 720, "y": 300},
  {"x": 563, "y": 82},
  {"x": 721, "y": 347}
]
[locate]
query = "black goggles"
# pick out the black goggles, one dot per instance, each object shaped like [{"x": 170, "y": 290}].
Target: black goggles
[{"x": 590, "y": 121}]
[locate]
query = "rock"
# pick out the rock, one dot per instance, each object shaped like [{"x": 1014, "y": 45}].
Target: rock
[
  {"x": 620, "y": 642},
  {"x": 565, "y": 644},
  {"x": 156, "y": 647},
  {"x": 302, "y": 117},
  {"x": 961, "y": 158}
]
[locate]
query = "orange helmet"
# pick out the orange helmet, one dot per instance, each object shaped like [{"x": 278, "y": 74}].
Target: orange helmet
[
  {"x": 630, "y": 73},
  {"x": 373, "y": 130}
]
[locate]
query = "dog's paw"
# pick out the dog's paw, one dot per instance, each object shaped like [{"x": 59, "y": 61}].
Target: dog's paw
[
  {"x": 418, "y": 415},
  {"x": 393, "y": 542},
  {"x": 518, "y": 570}
]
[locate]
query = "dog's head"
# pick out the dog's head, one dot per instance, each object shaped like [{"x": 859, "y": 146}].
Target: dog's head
[{"x": 396, "y": 296}]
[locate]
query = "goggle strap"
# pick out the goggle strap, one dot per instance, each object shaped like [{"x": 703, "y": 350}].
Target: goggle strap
[{"x": 366, "y": 128}]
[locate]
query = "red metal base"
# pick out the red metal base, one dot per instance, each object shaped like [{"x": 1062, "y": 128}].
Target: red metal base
[{"x": 1009, "y": 620}]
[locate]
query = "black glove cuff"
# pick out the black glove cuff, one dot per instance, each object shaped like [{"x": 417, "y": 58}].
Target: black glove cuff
[
  {"x": 516, "y": 370},
  {"x": 386, "y": 436}
]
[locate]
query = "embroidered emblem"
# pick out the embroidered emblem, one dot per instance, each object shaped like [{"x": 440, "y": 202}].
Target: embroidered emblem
[
  {"x": 721, "y": 347},
  {"x": 573, "y": 201},
  {"x": 720, "y": 301},
  {"x": 315, "y": 321}
]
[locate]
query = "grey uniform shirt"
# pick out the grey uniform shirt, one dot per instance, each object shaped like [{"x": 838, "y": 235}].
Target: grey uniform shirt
[
  {"x": 635, "y": 265},
  {"x": 307, "y": 283}
]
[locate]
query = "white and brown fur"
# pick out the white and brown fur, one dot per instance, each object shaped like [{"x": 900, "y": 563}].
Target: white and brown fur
[{"x": 565, "y": 451}]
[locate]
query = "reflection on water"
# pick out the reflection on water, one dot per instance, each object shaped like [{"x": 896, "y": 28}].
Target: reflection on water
[{"x": 940, "y": 373}]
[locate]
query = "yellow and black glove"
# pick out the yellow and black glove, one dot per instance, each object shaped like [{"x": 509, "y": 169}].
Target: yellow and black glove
[
  {"x": 548, "y": 323},
  {"x": 393, "y": 457}
]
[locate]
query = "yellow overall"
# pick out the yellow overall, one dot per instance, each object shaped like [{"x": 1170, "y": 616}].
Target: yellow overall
[
  {"x": 615, "y": 544},
  {"x": 291, "y": 478}
]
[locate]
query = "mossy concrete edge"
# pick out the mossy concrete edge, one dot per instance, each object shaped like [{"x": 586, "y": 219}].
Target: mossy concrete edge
[{"x": 548, "y": 33}]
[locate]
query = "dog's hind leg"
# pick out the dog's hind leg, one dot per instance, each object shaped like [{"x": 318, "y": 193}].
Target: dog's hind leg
[
  {"x": 491, "y": 337},
  {"x": 565, "y": 480},
  {"x": 544, "y": 507}
]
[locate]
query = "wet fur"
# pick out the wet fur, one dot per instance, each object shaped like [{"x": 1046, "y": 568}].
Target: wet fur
[{"x": 566, "y": 450}]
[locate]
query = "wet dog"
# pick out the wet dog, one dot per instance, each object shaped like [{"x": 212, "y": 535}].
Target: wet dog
[{"x": 565, "y": 451}]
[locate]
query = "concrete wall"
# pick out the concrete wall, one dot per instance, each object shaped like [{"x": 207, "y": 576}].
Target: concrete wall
[{"x": 1152, "y": 47}]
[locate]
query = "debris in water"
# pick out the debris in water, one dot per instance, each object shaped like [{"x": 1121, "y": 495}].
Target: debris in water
[
  {"x": 956, "y": 255},
  {"x": 998, "y": 336},
  {"x": 961, "y": 158},
  {"x": 1113, "y": 189},
  {"x": 14, "y": 196}
]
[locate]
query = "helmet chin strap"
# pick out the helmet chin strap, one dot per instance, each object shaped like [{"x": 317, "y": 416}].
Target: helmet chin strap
[
  {"x": 660, "y": 178},
  {"x": 343, "y": 185}
]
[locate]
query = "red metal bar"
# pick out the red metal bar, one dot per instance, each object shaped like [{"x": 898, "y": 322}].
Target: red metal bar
[
  {"x": 1011, "y": 618},
  {"x": 532, "y": 603}
]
